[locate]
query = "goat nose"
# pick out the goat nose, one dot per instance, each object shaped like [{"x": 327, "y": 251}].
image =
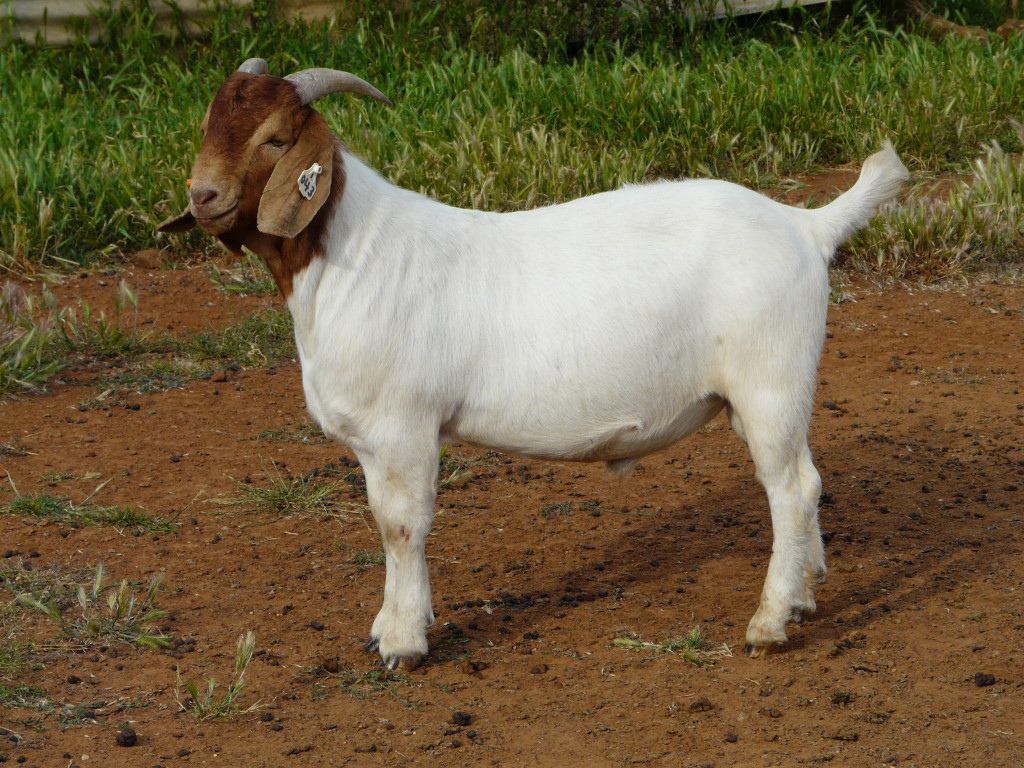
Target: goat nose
[{"x": 203, "y": 195}]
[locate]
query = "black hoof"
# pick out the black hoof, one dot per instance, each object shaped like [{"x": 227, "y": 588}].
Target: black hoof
[{"x": 372, "y": 644}]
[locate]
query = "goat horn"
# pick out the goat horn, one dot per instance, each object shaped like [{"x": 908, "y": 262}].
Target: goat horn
[
  {"x": 314, "y": 83},
  {"x": 254, "y": 67}
]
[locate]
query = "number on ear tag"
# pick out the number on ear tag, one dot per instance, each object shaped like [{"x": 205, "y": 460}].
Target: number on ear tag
[{"x": 307, "y": 180}]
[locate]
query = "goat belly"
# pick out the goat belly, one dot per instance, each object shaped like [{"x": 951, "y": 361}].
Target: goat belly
[{"x": 576, "y": 437}]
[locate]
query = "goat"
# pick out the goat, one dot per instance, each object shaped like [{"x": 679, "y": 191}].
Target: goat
[{"x": 605, "y": 328}]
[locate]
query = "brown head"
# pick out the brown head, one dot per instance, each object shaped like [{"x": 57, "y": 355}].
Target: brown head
[{"x": 268, "y": 173}]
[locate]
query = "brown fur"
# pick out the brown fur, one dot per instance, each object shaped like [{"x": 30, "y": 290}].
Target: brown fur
[{"x": 234, "y": 165}]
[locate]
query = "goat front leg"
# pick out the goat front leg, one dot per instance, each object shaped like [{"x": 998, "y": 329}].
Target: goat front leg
[{"x": 400, "y": 486}]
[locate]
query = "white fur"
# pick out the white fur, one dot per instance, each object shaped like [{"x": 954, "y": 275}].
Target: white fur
[{"x": 601, "y": 329}]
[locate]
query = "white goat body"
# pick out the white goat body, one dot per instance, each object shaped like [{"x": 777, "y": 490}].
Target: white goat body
[
  {"x": 605, "y": 328},
  {"x": 601, "y": 329}
]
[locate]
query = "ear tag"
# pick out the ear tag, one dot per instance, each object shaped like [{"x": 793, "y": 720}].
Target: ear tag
[{"x": 307, "y": 180}]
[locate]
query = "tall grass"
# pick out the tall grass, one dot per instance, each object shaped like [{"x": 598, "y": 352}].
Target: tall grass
[{"x": 97, "y": 140}]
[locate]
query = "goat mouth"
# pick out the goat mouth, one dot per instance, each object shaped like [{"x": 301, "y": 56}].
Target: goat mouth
[{"x": 221, "y": 215}]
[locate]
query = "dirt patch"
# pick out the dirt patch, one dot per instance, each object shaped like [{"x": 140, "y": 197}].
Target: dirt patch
[{"x": 914, "y": 657}]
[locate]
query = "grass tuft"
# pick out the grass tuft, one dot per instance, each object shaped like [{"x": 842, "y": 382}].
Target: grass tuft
[
  {"x": 693, "y": 647},
  {"x": 206, "y": 704},
  {"x": 46, "y": 506},
  {"x": 287, "y": 494},
  {"x": 976, "y": 227},
  {"x": 108, "y": 612}
]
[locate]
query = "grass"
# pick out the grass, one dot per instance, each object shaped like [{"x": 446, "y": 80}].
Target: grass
[
  {"x": 22, "y": 695},
  {"x": 36, "y": 342},
  {"x": 693, "y": 647},
  {"x": 107, "y": 613},
  {"x": 260, "y": 339},
  {"x": 46, "y": 506},
  {"x": 206, "y": 704},
  {"x": 248, "y": 277},
  {"x": 286, "y": 494},
  {"x": 102, "y": 137},
  {"x": 362, "y": 684},
  {"x": 14, "y": 652},
  {"x": 369, "y": 557},
  {"x": 977, "y": 226}
]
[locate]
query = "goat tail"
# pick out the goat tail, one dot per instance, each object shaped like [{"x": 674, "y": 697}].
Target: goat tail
[{"x": 881, "y": 177}]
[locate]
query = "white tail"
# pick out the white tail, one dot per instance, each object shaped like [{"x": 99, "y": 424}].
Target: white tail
[{"x": 880, "y": 180}]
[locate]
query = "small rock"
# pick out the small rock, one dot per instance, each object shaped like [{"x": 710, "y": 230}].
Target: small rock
[
  {"x": 702, "y": 704},
  {"x": 984, "y": 679},
  {"x": 220, "y": 375},
  {"x": 844, "y": 734},
  {"x": 461, "y": 718},
  {"x": 317, "y": 625},
  {"x": 127, "y": 737},
  {"x": 732, "y": 738}
]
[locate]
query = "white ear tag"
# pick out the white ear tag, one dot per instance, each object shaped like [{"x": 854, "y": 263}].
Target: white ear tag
[{"x": 307, "y": 180}]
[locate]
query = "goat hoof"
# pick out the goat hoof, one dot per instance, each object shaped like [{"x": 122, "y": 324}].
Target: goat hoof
[
  {"x": 372, "y": 644},
  {"x": 755, "y": 651},
  {"x": 402, "y": 663}
]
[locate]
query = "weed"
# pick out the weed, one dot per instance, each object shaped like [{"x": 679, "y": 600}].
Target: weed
[
  {"x": 103, "y": 338},
  {"x": 549, "y": 511},
  {"x": 693, "y": 647},
  {"x": 22, "y": 695},
  {"x": 46, "y": 506},
  {"x": 14, "y": 652},
  {"x": 286, "y": 494},
  {"x": 205, "y": 704},
  {"x": 369, "y": 557},
  {"x": 305, "y": 432},
  {"x": 51, "y": 584},
  {"x": 261, "y": 339},
  {"x": 248, "y": 277},
  {"x": 451, "y": 468},
  {"x": 28, "y": 356},
  {"x": 363, "y": 684},
  {"x": 976, "y": 227},
  {"x": 108, "y": 613},
  {"x": 842, "y": 698},
  {"x": 154, "y": 376}
]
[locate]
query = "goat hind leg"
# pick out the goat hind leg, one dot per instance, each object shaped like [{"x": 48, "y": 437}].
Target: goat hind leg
[{"x": 779, "y": 449}]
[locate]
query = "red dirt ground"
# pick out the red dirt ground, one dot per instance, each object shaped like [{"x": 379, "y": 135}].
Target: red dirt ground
[{"x": 917, "y": 435}]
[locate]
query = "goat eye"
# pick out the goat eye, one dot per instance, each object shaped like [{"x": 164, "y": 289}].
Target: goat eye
[{"x": 276, "y": 143}]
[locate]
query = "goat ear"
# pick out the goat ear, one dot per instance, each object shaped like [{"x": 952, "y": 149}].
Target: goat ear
[
  {"x": 183, "y": 222},
  {"x": 305, "y": 169}
]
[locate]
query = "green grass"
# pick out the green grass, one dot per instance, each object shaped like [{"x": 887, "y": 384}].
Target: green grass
[
  {"x": 976, "y": 227},
  {"x": 107, "y": 612},
  {"x": 260, "y": 339},
  {"x": 363, "y": 684},
  {"x": 248, "y": 276},
  {"x": 693, "y": 647},
  {"x": 489, "y": 111},
  {"x": 22, "y": 695},
  {"x": 286, "y": 494},
  {"x": 206, "y": 704},
  {"x": 47, "y": 506}
]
